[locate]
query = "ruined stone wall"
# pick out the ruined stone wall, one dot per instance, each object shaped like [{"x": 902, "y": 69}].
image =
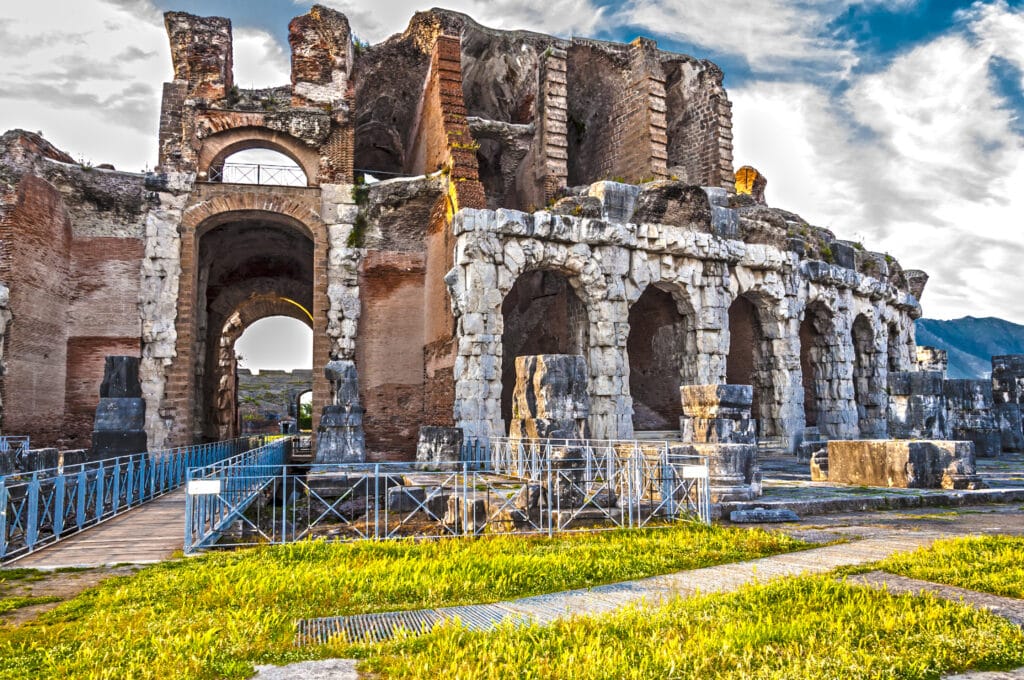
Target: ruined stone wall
[
  {"x": 699, "y": 123},
  {"x": 72, "y": 251},
  {"x": 36, "y": 232},
  {"x": 610, "y": 264},
  {"x": 270, "y": 396}
]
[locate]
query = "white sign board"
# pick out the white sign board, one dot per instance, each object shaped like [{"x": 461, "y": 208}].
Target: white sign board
[
  {"x": 203, "y": 487},
  {"x": 695, "y": 472}
]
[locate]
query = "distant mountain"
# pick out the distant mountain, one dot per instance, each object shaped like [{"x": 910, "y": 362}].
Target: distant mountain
[{"x": 971, "y": 343}]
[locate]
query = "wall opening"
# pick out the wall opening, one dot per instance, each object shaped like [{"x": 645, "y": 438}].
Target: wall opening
[
  {"x": 813, "y": 350},
  {"x": 274, "y": 357},
  {"x": 745, "y": 363},
  {"x": 258, "y": 166},
  {"x": 893, "y": 353},
  {"x": 543, "y": 315},
  {"x": 249, "y": 267},
  {"x": 657, "y": 349},
  {"x": 868, "y": 381}
]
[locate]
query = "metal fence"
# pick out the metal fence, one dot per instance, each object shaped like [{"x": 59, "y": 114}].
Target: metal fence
[
  {"x": 14, "y": 448},
  {"x": 45, "y": 506},
  {"x": 258, "y": 173},
  {"x": 587, "y": 486}
]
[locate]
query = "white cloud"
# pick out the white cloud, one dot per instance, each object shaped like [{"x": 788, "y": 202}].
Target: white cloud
[
  {"x": 377, "y": 21},
  {"x": 259, "y": 60},
  {"x": 90, "y": 80},
  {"x": 919, "y": 159}
]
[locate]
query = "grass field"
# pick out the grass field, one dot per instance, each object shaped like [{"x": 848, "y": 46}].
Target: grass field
[
  {"x": 992, "y": 564},
  {"x": 213, "y": 616},
  {"x": 811, "y": 627}
]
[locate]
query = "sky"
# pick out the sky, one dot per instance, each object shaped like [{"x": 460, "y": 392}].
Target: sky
[{"x": 898, "y": 123}]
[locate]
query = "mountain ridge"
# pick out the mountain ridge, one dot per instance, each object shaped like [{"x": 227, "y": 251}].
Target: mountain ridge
[{"x": 971, "y": 342}]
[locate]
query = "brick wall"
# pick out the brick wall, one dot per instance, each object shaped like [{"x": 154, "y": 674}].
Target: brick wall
[
  {"x": 389, "y": 351},
  {"x": 699, "y": 119},
  {"x": 36, "y": 238}
]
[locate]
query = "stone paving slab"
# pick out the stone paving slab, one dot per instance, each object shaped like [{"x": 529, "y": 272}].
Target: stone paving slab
[{"x": 1008, "y": 608}]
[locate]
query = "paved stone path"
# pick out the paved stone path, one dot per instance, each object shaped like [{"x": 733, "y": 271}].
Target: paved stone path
[
  {"x": 543, "y": 609},
  {"x": 1009, "y": 608},
  {"x": 147, "y": 534}
]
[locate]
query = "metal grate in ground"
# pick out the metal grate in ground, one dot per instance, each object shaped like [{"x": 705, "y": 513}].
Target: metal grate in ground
[{"x": 544, "y": 609}]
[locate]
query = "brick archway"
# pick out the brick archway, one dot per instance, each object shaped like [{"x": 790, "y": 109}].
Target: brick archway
[
  {"x": 286, "y": 220},
  {"x": 248, "y": 312},
  {"x": 222, "y": 144}
]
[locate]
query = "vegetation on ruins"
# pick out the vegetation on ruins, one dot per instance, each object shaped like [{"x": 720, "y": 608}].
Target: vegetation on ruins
[
  {"x": 215, "y": 615},
  {"x": 810, "y": 627}
]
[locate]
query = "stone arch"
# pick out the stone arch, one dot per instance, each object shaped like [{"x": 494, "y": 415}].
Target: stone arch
[
  {"x": 542, "y": 313},
  {"x": 815, "y": 369},
  {"x": 218, "y": 146},
  {"x": 826, "y": 368},
  {"x": 869, "y": 375},
  {"x": 224, "y": 406},
  {"x": 191, "y": 389},
  {"x": 661, "y": 348}
]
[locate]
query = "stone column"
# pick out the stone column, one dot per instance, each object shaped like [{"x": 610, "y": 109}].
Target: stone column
[
  {"x": 550, "y": 400},
  {"x": 340, "y": 437},
  {"x": 717, "y": 424},
  {"x": 119, "y": 428}
]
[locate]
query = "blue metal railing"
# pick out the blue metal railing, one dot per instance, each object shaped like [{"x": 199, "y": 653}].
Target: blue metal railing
[
  {"x": 45, "y": 506},
  {"x": 218, "y": 493}
]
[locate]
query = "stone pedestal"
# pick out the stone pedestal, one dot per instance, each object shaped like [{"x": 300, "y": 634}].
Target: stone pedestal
[
  {"x": 1007, "y": 396},
  {"x": 917, "y": 405},
  {"x": 119, "y": 428},
  {"x": 733, "y": 469},
  {"x": 970, "y": 415},
  {"x": 340, "y": 438},
  {"x": 717, "y": 414},
  {"x": 903, "y": 464},
  {"x": 439, "y": 447},
  {"x": 550, "y": 399}
]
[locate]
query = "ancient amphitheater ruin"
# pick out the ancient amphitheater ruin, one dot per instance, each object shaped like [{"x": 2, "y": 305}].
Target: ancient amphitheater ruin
[{"x": 468, "y": 196}]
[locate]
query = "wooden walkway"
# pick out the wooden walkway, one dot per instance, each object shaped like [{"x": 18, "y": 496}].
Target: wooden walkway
[{"x": 147, "y": 534}]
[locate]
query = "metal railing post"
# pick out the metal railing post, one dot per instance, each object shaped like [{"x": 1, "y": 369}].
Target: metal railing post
[
  {"x": 3, "y": 518},
  {"x": 32, "y": 519}
]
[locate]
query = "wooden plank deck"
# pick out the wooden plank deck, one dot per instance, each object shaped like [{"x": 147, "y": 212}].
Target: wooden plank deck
[{"x": 147, "y": 534}]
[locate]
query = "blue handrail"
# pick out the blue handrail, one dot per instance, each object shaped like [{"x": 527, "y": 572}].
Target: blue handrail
[{"x": 45, "y": 506}]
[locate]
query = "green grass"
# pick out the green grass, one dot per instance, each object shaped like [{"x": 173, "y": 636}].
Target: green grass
[
  {"x": 812, "y": 627},
  {"x": 992, "y": 564},
  {"x": 213, "y": 616}
]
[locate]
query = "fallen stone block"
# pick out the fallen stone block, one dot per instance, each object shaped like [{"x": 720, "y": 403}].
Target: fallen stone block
[
  {"x": 763, "y": 515},
  {"x": 903, "y": 464}
]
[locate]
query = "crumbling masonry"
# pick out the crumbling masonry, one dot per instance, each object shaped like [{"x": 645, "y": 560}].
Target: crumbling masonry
[{"x": 540, "y": 196}]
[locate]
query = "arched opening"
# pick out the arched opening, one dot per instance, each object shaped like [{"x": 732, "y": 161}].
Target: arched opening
[
  {"x": 251, "y": 265},
  {"x": 258, "y": 166},
  {"x": 814, "y": 331},
  {"x": 658, "y": 344},
  {"x": 868, "y": 385},
  {"x": 286, "y": 158},
  {"x": 542, "y": 314},
  {"x": 893, "y": 349},
  {"x": 746, "y": 363},
  {"x": 304, "y": 412},
  {"x": 274, "y": 358}
]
